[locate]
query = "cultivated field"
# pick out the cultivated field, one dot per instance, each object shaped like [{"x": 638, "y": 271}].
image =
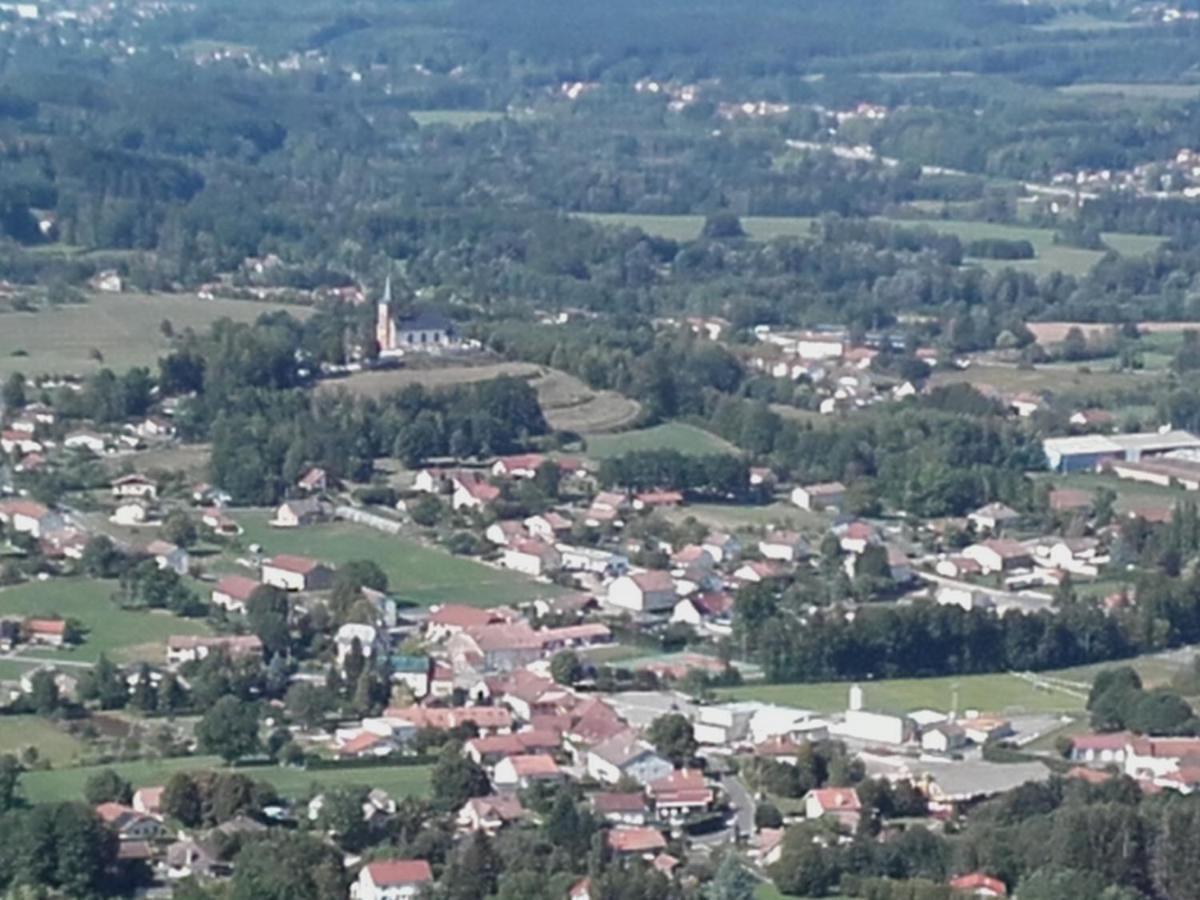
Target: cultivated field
[
  {"x": 1051, "y": 257},
  {"x": 53, "y": 744},
  {"x": 570, "y": 405},
  {"x": 671, "y": 436},
  {"x": 416, "y": 573},
  {"x": 68, "y": 784},
  {"x": 123, "y": 634},
  {"x": 123, "y": 327}
]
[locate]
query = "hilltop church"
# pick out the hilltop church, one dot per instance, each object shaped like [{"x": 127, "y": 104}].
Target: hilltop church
[{"x": 420, "y": 332}]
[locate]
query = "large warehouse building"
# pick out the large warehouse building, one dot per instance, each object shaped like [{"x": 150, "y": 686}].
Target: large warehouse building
[{"x": 1087, "y": 452}]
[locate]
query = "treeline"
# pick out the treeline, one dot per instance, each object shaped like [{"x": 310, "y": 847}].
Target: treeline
[{"x": 720, "y": 475}]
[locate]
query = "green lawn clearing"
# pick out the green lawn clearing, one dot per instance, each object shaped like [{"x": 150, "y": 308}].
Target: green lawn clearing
[
  {"x": 1000, "y": 693},
  {"x": 732, "y": 516},
  {"x": 1059, "y": 378},
  {"x": 52, "y": 743},
  {"x": 417, "y": 573},
  {"x": 124, "y": 328},
  {"x": 1133, "y": 90},
  {"x": 455, "y": 118},
  {"x": 671, "y": 436},
  {"x": 125, "y": 635},
  {"x": 68, "y": 784}
]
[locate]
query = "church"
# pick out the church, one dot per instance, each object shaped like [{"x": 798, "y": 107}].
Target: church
[{"x": 418, "y": 332}]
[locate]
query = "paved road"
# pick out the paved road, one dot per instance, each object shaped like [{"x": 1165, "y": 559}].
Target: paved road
[{"x": 743, "y": 805}]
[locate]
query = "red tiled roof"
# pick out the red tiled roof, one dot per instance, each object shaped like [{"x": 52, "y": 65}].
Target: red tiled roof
[
  {"x": 396, "y": 872},
  {"x": 837, "y": 799},
  {"x": 533, "y": 764},
  {"x": 445, "y": 719},
  {"x": 636, "y": 840},
  {"x": 978, "y": 881},
  {"x": 46, "y": 626},
  {"x": 301, "y": 565},
  {"x": 1115, "y": 741},
  {"x": 607, "y": 803},
  {"x": 457, "y": 615},
  {"x": 239, "y": 587},
  {"x": 655, "y": 580}
]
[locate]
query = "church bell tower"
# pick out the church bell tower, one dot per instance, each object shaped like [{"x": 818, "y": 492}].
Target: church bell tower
[{"x": 385, "y": 333}]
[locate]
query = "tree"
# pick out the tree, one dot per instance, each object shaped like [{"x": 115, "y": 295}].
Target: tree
[
  {"x": 723, "y": 225},
  {"x": 101, "y": 558},
  {"x": 10, "y": 775},
  {"x": 179, "y": 528},
  {"x": 308, "y": 703},
  {"x": 565, "y": 667},
  {"x": 342, "y": 816},
  {"x": 732, "y": 881},
  {"x": 106, "y": 786},
  {"x": 767, "y": 815},
  {"x": 171, "y": 695},
  {"x": 13, "y": 393},
  {"x": 288, "y": 866},
  {"x": 457, "y": 778},
  {"x": 104, "y": 684},
  {"x": 673, "y": 737},
  {"x": 181, "y": 799},
  {"x": 44, "y": 692},
  {"x": 473, "y": 870},
  {"x": 267, "y": 616},
  {"x": 229, "y": 729}
]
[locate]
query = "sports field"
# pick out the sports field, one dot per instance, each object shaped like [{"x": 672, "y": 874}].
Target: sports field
[
  {"x": 123, "y": 634},
  {"x": 671, "y": 436},
  {"x": 417, "y": 573},
  {"x": 68, "y": 784},
  {"x": 124, "y": 328},
  {"x": 52, "y": 743}
]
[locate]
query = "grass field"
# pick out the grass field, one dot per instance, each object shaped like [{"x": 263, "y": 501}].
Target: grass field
[
  {"x": 123, "y": 634},
  {"x": 420, "y": 574},
  {"x": 1129, "y": 493},
  {"x": 988, "y": 693},
  {"x": 671, "y": 436},
  {"x": 731, "y": 516},
  {"x": 1050, "y": 256},
  {"x": 455, "y": 118},
  {"x": 53, "y": 744},
  {"x": 570, "y": 405},
  {"x": 1062, "y": 379},
  {"x": 1133, "y": 90},
  {"x": 68, "y": 784},
  {"x": 386, "y": 381},
  {"x": 123, "y": 327}
]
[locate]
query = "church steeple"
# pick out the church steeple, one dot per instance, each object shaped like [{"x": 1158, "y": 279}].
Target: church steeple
[{"x": 385, "y": 333}]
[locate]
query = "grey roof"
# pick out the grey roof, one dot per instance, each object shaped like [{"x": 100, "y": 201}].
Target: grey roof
[{"x": 424, "y": 321}]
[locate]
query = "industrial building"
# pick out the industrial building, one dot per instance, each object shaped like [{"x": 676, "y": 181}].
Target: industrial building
[{"x": 1088, "y": 452}]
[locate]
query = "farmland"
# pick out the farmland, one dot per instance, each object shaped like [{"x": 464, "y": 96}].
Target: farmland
[
  {"x": 68, "y": 784},
  {"x": 53, "y": 745},
  {"x": 1061, "y": 378},
  {"x": 123, "y": 634},
  {"x": 416, "y": 573},
  {"x": 124, "y": 328},
  {"x": 386, "y": 381},
  {"x": 671, "y": 436}
]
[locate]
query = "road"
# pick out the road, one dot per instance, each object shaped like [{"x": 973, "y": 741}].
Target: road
[
  {"x": 1004, "y": 600},
  {"x": 743, "y": 805}
]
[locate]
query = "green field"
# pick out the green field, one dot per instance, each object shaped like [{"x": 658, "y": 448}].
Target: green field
[
  {"x": 730, "y": 516},
  {"x": 123, "y": 327},
  {"x": 455, "y": 118},
  {"x": 1063, "y": 379},
  {"x": 988, "y": 693},
  {"x": 1050, "y": 256},
  {"x": 53, "y": 744},
  {"x": 1133, "y": 90},
  {"x": 68, "y": 784},
  {"x": 1129, "y": 493},
  {"x": 671, "y": 436},
  {"x": 125, "y": 635},
  {"x": 420, "y": 574}
]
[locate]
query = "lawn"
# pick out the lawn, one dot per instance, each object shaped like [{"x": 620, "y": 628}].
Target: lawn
[
  {"x": 123, "y": 327},
  {"x": 455, "y": 118},
  {"x": 125, "y": 635},
  {"x": 1129, "y": 493},
  {"x": 52, "y": 743},
  {"x": 731, "y": 516},
  {"x": 68, "y": 784},
  {"x": 671, "y": 436},
  {"x": 417, "y": 573},
  {"x": 1050, "y": 257},
  {"x": 1000, "y": 693}
]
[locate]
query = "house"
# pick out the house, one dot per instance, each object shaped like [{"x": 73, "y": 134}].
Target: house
[
  {"x": 644, "y": 592},
  {"x": 1080, "y": 556},
  {"x": 531, "y": 557},
  {"x": 784, "y": 546},
  {"x": 993, "y": 516},
  {"x": 232, "y": 592},
  {"x": 92, "y": 441},
  {"x": 16, "y": 442},
  {"x": 1100, "y": 749},
  {"x": 155, "y": 427},
  {"x": 506, "y": 533},
  {"x": 295, "y": 513},
  {"x": 135, "y": 486},
  {"x": 431, "y": 481},
  {"x": 472, "y": 491},
  {"x": 983, "y": 729},
  {"x": 1069, "y": 500},
  {"x": 485, "y": 719},
  {"x": 500, "y": 647},
  {"x": 148, "y": 800},
  {"x": 657, "y": 500},
  {"x": 830, "y": 495},
  {"x": 183, "y": 648},
  {"x": 27, "y": 517},
  {"x": 48, "y": 632},
  {"x": 626, "y": 754},
  {"x": 393, "y": 879},
  {"x": 722, "y": 547},
  {"x": 67, "y": 684},
  {"x": 943, "y": 737},
  {"x": 840, "y": 804},
  {"x": 761, "y": 476},
  {"x": 592, "y": 560},
  {"x": 548, "y": 526},
  {"x": 170, "y": 557},
  {"x": 527, "y": 770},
  {"x": 296, "y": 573},
  {"x": 682, "y": 793},
  {"x": 999, "y": 555},
  {"x": 712, "y": 610},
  {"x": 755, "y": 572},
  {"x": 627, "y": 841},
  {"x": 1091, "y": 418},
  {"x": 620, "y": 808},
  {"x": 1148, "y": 757},
  {"x": 770, "y": 846},
  {"x": 194, "y": 858},
  {"x": 451, "y": 618},
  {"x": 977, "y": 884},
  {"x": 314, "y": 481},
  {"x": 220, "y": 523},
  {"x": 606, "y": 508},
  {"x": 854, "y": 537},
  {"x": 131, "y": 825},
  {"x": 130, "y": 513},
  {"x": 414, "y": 671},
  {"x": 585, "y": 634},
  {"x": 490, "y": 814}
]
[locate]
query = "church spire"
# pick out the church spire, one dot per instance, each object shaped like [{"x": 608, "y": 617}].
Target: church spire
[{"x": 387, "y": 292}]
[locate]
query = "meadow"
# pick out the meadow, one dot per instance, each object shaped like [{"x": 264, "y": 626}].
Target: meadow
[
  {"x": 387, "y": 381},
  {"x": 1132, "y": 90},
  {"x": 124, "y": 328},
  {"x": 670, "y": 436},
  {"x": 68, "y": 783},
  {"x": 419, "y": 574},
  {"x": 53, "y": 744},
  {"x": 1064, "y": 378},
  {"x": 455, "y": 118},
  {"x": 125, "y": 635}
]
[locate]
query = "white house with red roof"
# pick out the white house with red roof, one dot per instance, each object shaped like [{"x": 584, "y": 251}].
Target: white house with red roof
[
  {"x": 819, "y": 497},
  {"x": 1100, "y": 749},
  {"x": 490, "y": 814},
  {"x": 392, "y": 879},
  {"x": 526, "y": 770},
  {"x": 51, "y": 632},
  {"x": 999, "y": 555},
  {"x": 841, "y": 804},
  {"x": 978, "y": 884},
  {"x": 643, "y": 592},
  {"x": 680, "y": 794},
  {"x": 531, "y": 557},
  {"x": 314, "y": 481},
  {"x": 27, "y": 516},
  {"x": 784, "y": 546},
  {"x": 548, "y": 526},
  {"x": 449, "y": 619},
  {"x": 1151, "y": 757},
  {"x": 629, "y": 841},
  {"x": 472, "y": 491},
  {"x": 296, "y": 573},
  {"x": 232, "y": 592},
  {"x": 855, "y": 537}
]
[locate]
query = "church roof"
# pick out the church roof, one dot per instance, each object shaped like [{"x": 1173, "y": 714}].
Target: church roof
[{"x": 424, "y": 321}]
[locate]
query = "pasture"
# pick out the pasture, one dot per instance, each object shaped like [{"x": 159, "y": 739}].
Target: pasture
[
  {"x": 417, "y": 573},
  {"x": 670, "y": 436},
  {"x": 68, "y": 784},
  {"x": 125, "y": 635},
  {"x": 53, "y": 744},
  {"x": 1061, "y": 378},
  {"x": 124, "y": 328},
  {"x": 1001, "y": 693},
  {"x": 386, "y": 381}
]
